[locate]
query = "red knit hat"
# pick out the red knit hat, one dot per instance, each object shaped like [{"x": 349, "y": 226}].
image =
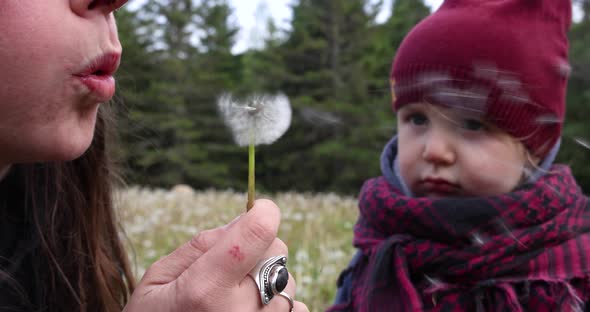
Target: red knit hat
[{"x": 506, "y": 59}]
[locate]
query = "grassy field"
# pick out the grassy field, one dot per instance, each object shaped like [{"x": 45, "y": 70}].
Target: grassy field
[{"x": 316, "y": 227}]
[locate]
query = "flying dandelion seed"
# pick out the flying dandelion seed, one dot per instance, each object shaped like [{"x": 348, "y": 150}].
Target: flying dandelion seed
[
  {"x": 434, "y": 78},
  {"x": 321, "y": 118},
  {"x": 258, "y": 119},
  {"x": 509, "y": 83},
  {"x": 433, "y": 281},
  {"x": 487, "y": 71},
  {"x": 564, "y": 68},
  {"x": 507, "y": 231},
  {"x": 477, "y": 239},
  {"x": 549, "y": 119},
  {"x": 582, "y": 142},
  {"x": 473, "y": 100}
]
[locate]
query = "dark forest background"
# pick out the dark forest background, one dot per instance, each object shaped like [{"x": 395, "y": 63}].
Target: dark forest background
[{"x": 333, "y": 63}]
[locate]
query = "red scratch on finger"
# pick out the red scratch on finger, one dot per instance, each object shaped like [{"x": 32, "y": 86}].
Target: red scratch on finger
[{"x": 236, "y": 253}]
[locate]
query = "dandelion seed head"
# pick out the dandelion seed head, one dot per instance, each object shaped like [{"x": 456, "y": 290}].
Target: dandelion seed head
[{"x": 262, "y": 118}]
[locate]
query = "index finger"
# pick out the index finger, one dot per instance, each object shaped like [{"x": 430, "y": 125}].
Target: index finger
[
  {"x": 232, "y": 257},
  {"x": 170, "y": 267}
]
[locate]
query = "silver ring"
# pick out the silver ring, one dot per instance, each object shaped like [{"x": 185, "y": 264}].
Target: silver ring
[
  {"x": 271, "y": 277},
  {"x": 291, "y": 303}
]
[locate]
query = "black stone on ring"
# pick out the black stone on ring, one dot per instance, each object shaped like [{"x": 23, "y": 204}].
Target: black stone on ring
[
  {"x": 271, "y": 277},
  {"x": 279, "y": 280}
]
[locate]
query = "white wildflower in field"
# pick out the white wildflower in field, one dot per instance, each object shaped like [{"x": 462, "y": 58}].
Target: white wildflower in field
[{"x": 316, "y": 227}]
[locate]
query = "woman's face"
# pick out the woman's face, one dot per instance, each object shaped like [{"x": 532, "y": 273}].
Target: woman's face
[{"x": 57, "y": 58}]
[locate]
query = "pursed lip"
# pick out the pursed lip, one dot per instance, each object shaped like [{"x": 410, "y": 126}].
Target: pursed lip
[{"x": 97, "y": 75}]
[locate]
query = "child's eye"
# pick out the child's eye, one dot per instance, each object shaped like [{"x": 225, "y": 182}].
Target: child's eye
[
  {"x": 473, "y": 125},
  {"x": 417, "y": 119}
]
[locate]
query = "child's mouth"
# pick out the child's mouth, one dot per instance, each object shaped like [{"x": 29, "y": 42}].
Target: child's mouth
[{"x": 438, "y": 187}]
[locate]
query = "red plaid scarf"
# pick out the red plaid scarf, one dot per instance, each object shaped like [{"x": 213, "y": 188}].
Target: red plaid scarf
[{"x": 523, "y": 251}]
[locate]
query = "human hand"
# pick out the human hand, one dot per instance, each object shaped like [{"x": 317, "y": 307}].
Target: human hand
[{"x": 210, "y": 272}]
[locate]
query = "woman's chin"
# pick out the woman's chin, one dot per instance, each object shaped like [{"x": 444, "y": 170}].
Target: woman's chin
[
  {"x": 73, "y": 141},
  {"x": 64, "y": 147},
  {"x": 74, "y": 149},
  {"x": 44, "y": 153},
  {"x": 73, "y": 152}
]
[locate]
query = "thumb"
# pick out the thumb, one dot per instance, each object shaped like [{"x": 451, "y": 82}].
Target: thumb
[{"x": 236, "y": 253}]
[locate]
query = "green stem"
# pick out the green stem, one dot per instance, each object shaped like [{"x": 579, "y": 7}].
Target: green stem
[{"x": 251, "y": 183}]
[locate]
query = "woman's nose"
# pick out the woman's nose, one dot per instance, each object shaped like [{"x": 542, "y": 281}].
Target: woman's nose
[
  {"x": 84, "y": 7},
  {"x": 438, "y": 148}
]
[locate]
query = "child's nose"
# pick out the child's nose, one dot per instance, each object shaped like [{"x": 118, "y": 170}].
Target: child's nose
[{"x": 438, "y": 148}]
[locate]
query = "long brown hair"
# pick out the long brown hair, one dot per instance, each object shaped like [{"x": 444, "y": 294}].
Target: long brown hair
[{"x": 79, "y": 261}]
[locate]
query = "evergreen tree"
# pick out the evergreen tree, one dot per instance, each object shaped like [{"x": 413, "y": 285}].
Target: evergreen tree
[
  {"x": 215, "y": 70},
  {"x": 172, "y": 26},
  {"x": 405, "y": 14},
  {"x": 166, "y": 131},
  {"x": 327, "y": 86},
  {"x": 263, "y": 69},
  {"x": 322, "y": 51},
  {"x": 134, "y": 78},
  {"x": 174, "y": 114}
]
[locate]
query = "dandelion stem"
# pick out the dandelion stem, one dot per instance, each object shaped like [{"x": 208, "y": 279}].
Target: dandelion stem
[{"x": 251, "y": 162}]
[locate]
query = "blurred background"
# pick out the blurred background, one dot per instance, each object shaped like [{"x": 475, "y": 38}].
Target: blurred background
[{"x": 332, "y": 59}]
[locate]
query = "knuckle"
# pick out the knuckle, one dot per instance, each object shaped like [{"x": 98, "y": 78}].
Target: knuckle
[
  {"x": 196, "y": 295},
  {"x": 149, "y": 272},
  {"x": 155, "y": 268},
  {"x": 261, "y": 231},
  {"x": 200, "y": 241}
]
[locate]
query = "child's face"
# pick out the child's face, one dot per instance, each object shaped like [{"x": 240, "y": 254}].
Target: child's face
[
  {"x": 46, "y": 111},
  {"x": 444, "y": 152}
]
